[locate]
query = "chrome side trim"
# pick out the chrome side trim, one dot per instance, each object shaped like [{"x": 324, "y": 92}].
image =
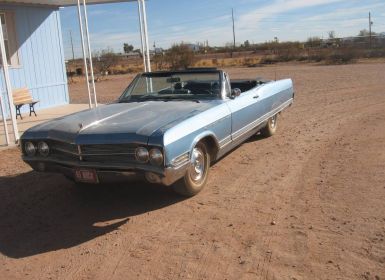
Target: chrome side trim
[
  {"x": 181, "y": 160},
  {"x": 239, "y": 133},
  {"x": 225, "y": 141}
]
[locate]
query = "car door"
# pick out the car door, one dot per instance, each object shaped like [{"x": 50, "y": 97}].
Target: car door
[{"x": 245, "y": 109}]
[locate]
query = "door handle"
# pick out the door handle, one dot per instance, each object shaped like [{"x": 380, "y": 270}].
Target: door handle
[{"x": 256, "y": 96}]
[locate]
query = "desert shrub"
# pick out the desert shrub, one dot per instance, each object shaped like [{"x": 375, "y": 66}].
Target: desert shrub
[
  {"x": 250, "y": 62},
  {"x": 286, "y": 57},
  {"x": 204, "y": 63},
  {"x": 341, "y": 57},
  {"x": 105, "y": 60},
  {"x": 180, "y": 57},
  {"x": 317, "y": 57},
  {"x": 160, "y": 61},
  {"x": 376, "y": 53},
  {"x": 118, "y": 69},
  {"x": 268, "y": 60},
  {"x": 236, "y": 62},
  {"x": 302, "y": 58}
]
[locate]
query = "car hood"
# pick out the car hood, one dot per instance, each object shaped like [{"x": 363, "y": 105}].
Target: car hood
[{"x": 118, "y": 122}]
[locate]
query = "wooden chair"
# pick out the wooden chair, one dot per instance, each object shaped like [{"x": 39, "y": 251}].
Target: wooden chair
[{"x": 22, "y": 96}]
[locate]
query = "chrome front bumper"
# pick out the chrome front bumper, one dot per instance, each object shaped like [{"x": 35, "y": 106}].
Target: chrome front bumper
[{"x": 111, "y": 173}]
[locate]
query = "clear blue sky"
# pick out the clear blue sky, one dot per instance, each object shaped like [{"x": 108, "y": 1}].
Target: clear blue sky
[{"x": 174, "y": 21}]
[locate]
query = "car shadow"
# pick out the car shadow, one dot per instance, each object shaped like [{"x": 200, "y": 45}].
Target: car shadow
[
  {"x": 42, "y": 212},
  {"x": 255, "y": 138}
]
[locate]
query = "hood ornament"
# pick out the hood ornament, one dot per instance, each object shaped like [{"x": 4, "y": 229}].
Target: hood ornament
[{"x": 80, "y": 125}]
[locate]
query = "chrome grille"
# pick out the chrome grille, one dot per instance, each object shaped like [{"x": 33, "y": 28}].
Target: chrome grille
[
  {"x": 111, "y": 149},
  {"x": 63, "y": 147},
  {"x": 112, "y": 153},
  {"x": 104, "y": 153},
  {"x": 63, "y": 151}
]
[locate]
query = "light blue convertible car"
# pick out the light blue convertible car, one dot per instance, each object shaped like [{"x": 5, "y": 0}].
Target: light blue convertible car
[{"x": 167, "y": 127}]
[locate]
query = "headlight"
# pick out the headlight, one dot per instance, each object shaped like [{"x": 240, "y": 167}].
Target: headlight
[
  {"x": 43, "y": 149},
  {"x": 156, "y": 157},
  {"x": 141, "y": 155},
  {"x": 30, "y": 149}
]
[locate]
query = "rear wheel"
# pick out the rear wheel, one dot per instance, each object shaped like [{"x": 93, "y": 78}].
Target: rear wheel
[
  {"x": 196, "y": 176},
  {"x": 271, "y": 126}
]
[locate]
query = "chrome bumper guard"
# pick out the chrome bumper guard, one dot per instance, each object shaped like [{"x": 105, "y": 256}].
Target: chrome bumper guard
[{"x": 112, "y": 173}]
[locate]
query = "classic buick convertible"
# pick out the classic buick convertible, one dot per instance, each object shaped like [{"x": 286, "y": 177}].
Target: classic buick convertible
[{"x": 167, "y": 127}]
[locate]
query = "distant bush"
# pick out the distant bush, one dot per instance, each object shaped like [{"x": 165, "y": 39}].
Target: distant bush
[
  {"x": 160, "y": 61},
  {"x": 117, "y": 69},
  {"x": 376, "y": 53},
  {"x": 268, "y": 60},
  {"x": 250, "y": 62},
  {"x": 341, "y": 57},
  {"x": 286, "y": 57},
  {"x": 302, "y": 58},
  {"x": 180, "y": 57},
  {"x": 317, "y": 57},
  {"x": 105, "y": 60}
]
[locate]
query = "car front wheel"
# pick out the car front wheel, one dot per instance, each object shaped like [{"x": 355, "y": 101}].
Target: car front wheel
[{"x": 196, "y": 175}]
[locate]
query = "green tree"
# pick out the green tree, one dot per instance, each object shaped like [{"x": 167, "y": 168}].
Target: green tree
[
  {"x": 364, "y": 33},
  {"x": 127, "y": 48}
]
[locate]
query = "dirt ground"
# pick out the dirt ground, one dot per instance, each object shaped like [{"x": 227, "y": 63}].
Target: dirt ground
[{"x": 308, "y": 203}]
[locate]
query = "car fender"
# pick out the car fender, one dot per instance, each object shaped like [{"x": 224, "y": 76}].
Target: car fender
[{"x": 201, "y": 136}]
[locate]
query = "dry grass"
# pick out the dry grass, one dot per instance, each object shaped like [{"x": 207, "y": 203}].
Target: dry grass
[{"x": 229, "y": 62}]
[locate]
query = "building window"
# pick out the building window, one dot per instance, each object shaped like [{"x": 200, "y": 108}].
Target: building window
[{"x": 9, "y": 33}]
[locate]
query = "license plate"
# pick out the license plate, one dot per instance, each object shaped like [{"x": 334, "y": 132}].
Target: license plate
[{"x": 86, "y": 176}]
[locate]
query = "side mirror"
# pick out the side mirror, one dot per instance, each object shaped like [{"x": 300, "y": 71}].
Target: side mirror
[{"x": 235, "y": 93}]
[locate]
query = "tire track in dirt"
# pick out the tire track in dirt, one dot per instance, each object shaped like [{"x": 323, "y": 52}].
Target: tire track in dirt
[{"x": 312, "y": 175}]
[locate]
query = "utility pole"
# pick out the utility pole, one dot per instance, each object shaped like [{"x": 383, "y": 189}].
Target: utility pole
[
  {"x": 370, "y": 31},
  {"x": 232, "y": 16},
  {"x": 72, "y": 46}
]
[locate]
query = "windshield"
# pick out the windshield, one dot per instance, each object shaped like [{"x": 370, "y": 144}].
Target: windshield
[{"x": 194, "y": 86}]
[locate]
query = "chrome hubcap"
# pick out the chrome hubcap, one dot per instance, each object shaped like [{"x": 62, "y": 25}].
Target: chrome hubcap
[
  {"x": 197, "y": 165},
  {"x": 273, "y": 121}
]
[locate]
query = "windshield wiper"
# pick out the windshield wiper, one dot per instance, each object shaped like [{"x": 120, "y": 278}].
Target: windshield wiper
[
  {"x": 155, "y": 98},
  {"x": 137, "y": 98},
  {"x": 172, "y": 98},
  {"x": 181, "y": 99}
]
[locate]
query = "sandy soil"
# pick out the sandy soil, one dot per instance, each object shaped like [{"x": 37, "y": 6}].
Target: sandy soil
[{"x": 308, "y": 203}]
